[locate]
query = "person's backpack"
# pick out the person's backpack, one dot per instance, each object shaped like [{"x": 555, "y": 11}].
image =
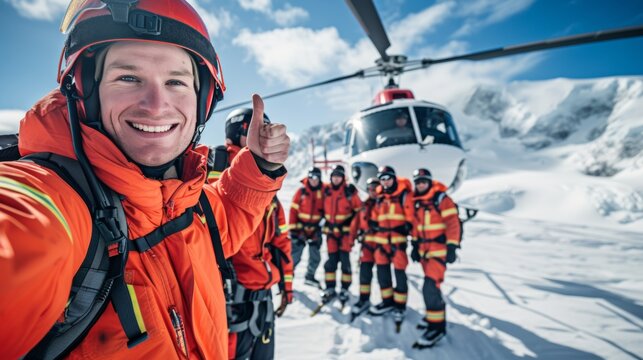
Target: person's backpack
[{"x": 99, "y": 279}]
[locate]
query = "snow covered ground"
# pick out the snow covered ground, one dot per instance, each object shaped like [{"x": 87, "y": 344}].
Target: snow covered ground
[{"x": 551, "y": 266}]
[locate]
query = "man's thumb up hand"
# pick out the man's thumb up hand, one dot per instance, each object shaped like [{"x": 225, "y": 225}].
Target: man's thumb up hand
[{"x": 267, "y": 141}]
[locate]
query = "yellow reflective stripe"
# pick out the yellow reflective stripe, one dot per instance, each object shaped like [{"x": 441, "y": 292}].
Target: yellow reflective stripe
[
  {"x": 387, "y": 293},
  {"x": 380, "y": 240},
  {"x": 435, "y": 316},
  {"x": 288, "y": 278},
  {"x": 203, "y": 219},
  {"x": 437, "y": 253},
  {"x": 319, "y": 194},
  {"x": 137, "y": 308},
  {"x": 453, "y": 242},
  {"x": 398, "y": 239},
  {"x": 365, "y": 289},
  {"x": 295, "y": 226},
  {"x": 294, "y": 206},
  {"x": 330, "y": 276},
  {"x": 383, "y": 217},
  {"x": 305, "y": 216},
  {"x": 448, "y": 212},
  {"x": 439, "y": 226},
  {"x": 341, "y": 217},
  {"x": 283, "y": 227},
  {"x": 347, "y": 277},
  {"x": 214, "y": 175},
  {"x": 38, "y": 196},
  {"x": 369, "y": 238},
  {"x": 399, "y": 297}
]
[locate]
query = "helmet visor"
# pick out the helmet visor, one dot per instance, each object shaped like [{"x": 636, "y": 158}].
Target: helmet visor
[{"x": 75, "y": 9}]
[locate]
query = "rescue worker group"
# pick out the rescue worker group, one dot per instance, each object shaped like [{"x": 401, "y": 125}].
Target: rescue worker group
[{"x": 121, "y": 236}]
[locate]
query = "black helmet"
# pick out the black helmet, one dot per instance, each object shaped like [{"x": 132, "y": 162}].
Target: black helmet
[
  {"x": 422, "y": 174},
  {"x": 338, "y": 170},
  {"x": 237, "y": 122},
  {"x": 385, "y": 172},
  {"x": 314, "y": 172},
  {"x": 372, "y": 181}
]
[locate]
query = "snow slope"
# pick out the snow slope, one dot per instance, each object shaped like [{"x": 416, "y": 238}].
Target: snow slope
[{"x": 550, "y": 268}]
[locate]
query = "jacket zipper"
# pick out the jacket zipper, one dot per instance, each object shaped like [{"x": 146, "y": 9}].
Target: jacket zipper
[{"x": 179, "y": 330}]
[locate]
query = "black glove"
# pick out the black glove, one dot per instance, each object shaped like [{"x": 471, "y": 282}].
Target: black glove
[
  {"x": 415, "y": 253},
  {"x": 296, "y": 236},
  {"x": 451, "y": 256},
  {"x": 408, "y": 227}
]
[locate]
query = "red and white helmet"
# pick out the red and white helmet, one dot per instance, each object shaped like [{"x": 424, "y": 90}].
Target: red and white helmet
[{"x": 90, "y": 24}]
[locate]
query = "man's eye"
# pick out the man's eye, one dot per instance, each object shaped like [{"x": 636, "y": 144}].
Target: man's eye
[
  {"x": 176, "y": 83},
  {"x": 127, "y": 78}
]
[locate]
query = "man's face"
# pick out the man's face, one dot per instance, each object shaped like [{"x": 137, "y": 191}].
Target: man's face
[
  {"x": 400, "y": 122},
  {"x": 313, "y": 181},
  {"x": 148, "y": 101},
  {"x": 336, "y": 179},
  {"x": 421, "y": 186},
  {"x": 372, "y": 192},
  {"x": 387, "y": 182}
]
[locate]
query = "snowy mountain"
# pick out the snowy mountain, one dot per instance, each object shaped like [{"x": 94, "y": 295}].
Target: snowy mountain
[{"x": 548, "y": 269}]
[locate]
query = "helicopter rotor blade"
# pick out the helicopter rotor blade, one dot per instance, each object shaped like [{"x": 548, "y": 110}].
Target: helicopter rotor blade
[
  {"x": 369, "y": 19},
  {"x": 360, "y": 73},
  {"x": 586, "y": 38}
]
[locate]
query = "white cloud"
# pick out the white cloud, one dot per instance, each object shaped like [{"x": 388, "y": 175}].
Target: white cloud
[
  {"x": 295, "y": 55},
  {"x": 287, "y": 16},
  {"x": 40, "y": 9},
  {"x": 480, "y": 13},
  {"x": 256, "y": 5},
  {"x": 412, "y": 28},
  {"x": 9, "y": 121}
]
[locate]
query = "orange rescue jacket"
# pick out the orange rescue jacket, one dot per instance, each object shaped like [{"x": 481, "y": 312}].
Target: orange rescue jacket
[
  {"x": 392, "y": 212},
  {"x": 435, "y": 228},
  {"x": 45, "y": 228},
  {"x": 255, "y": 268},
  {"x": 306, "y": 208}
]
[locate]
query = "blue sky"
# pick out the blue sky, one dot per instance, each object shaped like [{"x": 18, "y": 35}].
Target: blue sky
[{"x": 267, "y": 46}]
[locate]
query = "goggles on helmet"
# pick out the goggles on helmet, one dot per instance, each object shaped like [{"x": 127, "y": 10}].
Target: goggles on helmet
[{"x": 385, "y": 177}]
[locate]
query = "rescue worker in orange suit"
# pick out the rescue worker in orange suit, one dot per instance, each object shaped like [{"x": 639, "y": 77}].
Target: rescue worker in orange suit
[
  {"x": 436, "y": 236},
  {"x": 263, "y": 261},
  {"x": 306, "y": 211},
  {"x": 134, "y": 99},
  {"x": 392, "y": 218},
  {"x": 341, "y": 204},
  {"x": 365, "y": 235}
]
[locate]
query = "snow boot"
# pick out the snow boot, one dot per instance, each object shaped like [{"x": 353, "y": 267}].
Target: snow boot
[
  {"x": 328, "y": 295},
  {"x": 343, "y": 297},
  {"x": 381, "y": 308},
  {"x": 434, "y": 333},
  {"x": 359, "y": 308},
  {"x": 312, "y": 282}
]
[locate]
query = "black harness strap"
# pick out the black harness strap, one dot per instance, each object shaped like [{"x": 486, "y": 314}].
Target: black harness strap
[
  {"x": 173, "y": 226},
  {"x": 227, "y": 274}
]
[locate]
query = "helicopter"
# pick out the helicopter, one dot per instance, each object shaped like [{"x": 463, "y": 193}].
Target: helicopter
[{"x": 407, "y": 133}]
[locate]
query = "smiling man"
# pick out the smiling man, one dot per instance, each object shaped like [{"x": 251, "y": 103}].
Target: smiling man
[{"x": 111, "y": 242}]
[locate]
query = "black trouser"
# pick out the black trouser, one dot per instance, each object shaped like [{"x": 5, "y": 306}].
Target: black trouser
[
  {"x": 434, "y": 303},
  {"x": 365, "y": 279},
  {"x": 249, "y": 346},
  {"x": 331, "y": 268}
]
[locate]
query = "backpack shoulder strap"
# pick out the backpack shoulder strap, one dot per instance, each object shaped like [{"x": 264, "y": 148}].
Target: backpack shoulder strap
[
  {"x": 97, "y": 280},
  {"x": 227, "y": 273},
  {"x": 9, "y": 153},
  {"x": 349, "y": 191},
  {"x": 437, "y": 199}
]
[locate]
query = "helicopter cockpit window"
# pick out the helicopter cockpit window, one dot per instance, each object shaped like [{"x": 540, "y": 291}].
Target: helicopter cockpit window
[
  {"x": 436, "y": 126},
  {"x": 382, "y": 129}
]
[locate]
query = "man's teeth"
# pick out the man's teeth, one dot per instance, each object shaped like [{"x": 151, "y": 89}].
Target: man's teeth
[{"x": 153, "y": 129}]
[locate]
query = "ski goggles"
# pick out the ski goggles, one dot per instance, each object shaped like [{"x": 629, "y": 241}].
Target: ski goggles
[{"x": 385, "y": 177}]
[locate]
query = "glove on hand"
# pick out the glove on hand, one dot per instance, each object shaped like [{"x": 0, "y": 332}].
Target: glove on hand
[{"x": 451, "y": 256}]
